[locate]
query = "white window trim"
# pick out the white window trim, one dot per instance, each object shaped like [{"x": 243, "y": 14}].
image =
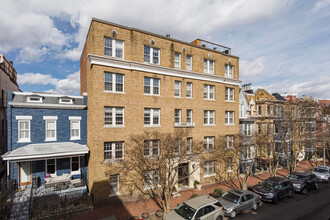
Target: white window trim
[
  {"x": 114, "y": 118},
  {"x": 23, "y": 119},
  {"x": 209, "y": 92},
  {"x": 180, "y": 112},
  {"x": 151, "y": 55},
  {"x": 228, "y": 89},
  {"x": 150, "y": 148},
  {"x": 180, "y": 85},
  {"x": 152, "y": 87},
  {"x": 189, "y": 144},
  {"x": 68, "y": 103},
  {"x": 190, "y": 117},
  {"x": 230, "y": 170},
  {"x": 50, "y": 119},
  {"x": 29, "y": 99},
  {"x": 191, "y": 95},
  {"x": 113, "y": 152},
  {"x": 152, "y": 118},
  {"x": 190, "y": 67},
  {"x": 150, "y": 187},
  {"x": 208, "y": 165},
  {"x": 208, "y": 66},
  {"x": 77, "y": 171},
  {"x": 227, "y": 113},
  {"x": 75, "y": 119},
  {"x": 179, "y": 67},
  {"x": 228, "y": 141},
  {"x": 208, "y": 141},
  {"x": 208, "y": 118},
  {"x": 113, "y": 89},
  {"x": 116, "y": 193},
  {"x": 52, "y": 174},
  {"x": 114, "y": 48},
  {"x": 227, "y": 66}
]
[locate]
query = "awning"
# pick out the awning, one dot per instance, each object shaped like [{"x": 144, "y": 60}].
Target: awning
[{"x": 46, "y": 150}]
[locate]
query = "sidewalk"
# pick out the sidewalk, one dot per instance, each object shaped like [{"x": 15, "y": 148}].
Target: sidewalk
[{"x": 129, "y": 209}]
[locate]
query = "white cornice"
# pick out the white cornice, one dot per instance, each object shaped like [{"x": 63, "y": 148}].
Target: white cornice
[
  {"x": 41, "y": 105},
  {"x": 153, "y": 68}
]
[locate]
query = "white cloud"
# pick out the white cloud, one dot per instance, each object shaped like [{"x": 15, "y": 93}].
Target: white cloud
[
  {"x": 252, "y": 68},
  {"x": 36, "y": 79},
  {"x": 35, "y": 28},
  {"x": 69, "y": 86},
  {"x": 316, "y": 88},
  {"x": 320, "y": 5}
]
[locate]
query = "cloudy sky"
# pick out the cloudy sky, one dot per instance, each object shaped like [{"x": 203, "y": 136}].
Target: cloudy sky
[{"x": 283, "y": 45}]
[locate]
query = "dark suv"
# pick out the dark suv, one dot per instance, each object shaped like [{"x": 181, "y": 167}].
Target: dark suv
[
  {"x": 273, "y": 189},
  {"x": 303, "y": 182}
]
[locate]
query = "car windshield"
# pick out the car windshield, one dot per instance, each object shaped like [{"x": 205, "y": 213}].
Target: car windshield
[
  {"x": 295, "y": 177},
  {"x": 231, "y": 197},
  {"x": 185, "y": 211},
  {"x": 267, "y": 185},
  {"x": 319, "y": 170}
]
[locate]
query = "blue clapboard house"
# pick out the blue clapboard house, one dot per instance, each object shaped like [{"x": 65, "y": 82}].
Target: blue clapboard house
[{"x": 47, "y": 138}]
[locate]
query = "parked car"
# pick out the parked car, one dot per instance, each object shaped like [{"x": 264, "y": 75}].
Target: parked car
[
  {"x": 303, "y": 182},
  {"x": 322, "y": 173},
  {"x": 198, "y": 208},
  {"x": 273, "y": 189},
  {"x": 237, "y": 201}
]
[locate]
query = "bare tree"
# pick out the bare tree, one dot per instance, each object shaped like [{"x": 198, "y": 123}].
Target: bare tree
[
  {"x": 234, "y": 156},
  {"x": 152, "y": 162}
]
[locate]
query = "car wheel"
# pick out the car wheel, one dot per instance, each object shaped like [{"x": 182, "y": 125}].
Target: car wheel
[
  {"x": 276, "y": 200},
  {"x": 219, "y": 217},
  {"x": 304, "y": 191},
  {"x": 290, "y": 194},
  {"x": 255, "y": 206},
  {"x": 233, "y": 214},
  {"x": 317, "y": 186}
]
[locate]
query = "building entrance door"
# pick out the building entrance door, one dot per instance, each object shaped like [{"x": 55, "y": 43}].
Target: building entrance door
[
  {"x": 24, "y": 173},
  {"x": 183, "y": 174}
]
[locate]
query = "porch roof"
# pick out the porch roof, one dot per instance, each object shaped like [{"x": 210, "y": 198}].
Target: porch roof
[{"x": 46, "y": 150}]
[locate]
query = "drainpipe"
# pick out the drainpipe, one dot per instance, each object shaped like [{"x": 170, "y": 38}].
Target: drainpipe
[{"x": 7, "y": 168}]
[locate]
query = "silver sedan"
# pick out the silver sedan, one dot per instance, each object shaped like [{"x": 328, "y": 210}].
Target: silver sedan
[{"x": 236, "y": 201}]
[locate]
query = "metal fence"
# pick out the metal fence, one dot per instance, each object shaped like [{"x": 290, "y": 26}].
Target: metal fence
[{"x": 41, "y": 203}]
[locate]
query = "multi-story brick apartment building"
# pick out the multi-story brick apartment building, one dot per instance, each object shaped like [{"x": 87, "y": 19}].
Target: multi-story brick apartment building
[
  {"x": 47, "y": 137},
  {"x": 8, "y": 81},
  {"x": 140, "y": 81}
]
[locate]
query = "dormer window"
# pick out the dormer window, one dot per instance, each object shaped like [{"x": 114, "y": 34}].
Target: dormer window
[
  {"x": 34, "y": 99},
  {"x": 65, "y": 101}
]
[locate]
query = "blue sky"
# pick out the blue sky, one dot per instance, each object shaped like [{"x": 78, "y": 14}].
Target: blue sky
[{"x": 283, "y": 45}]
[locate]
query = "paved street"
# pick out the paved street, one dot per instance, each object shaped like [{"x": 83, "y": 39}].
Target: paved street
[{"x": 316, "y": 205}]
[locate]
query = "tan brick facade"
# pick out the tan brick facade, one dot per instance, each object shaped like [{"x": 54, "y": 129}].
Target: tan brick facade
[{"x": 133, "y": 99}]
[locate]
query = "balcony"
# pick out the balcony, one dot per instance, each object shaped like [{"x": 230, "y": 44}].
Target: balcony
[{"x": 212, "y": 46}]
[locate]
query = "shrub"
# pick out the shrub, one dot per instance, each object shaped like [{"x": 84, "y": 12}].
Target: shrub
[
  {"x": 194, "y": 195},
  {"x": 217, "y": 192},
  {"x": 196, "y": 182}
]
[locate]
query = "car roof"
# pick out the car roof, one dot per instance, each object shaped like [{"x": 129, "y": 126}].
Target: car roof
[
  {"x": 323, "y": 167},
  {"x": 275, "y": 179},
  {"x": 238, "y": 192},
  {"x": 200, "y": 201},
  {"x": 301, "y": 173}
]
